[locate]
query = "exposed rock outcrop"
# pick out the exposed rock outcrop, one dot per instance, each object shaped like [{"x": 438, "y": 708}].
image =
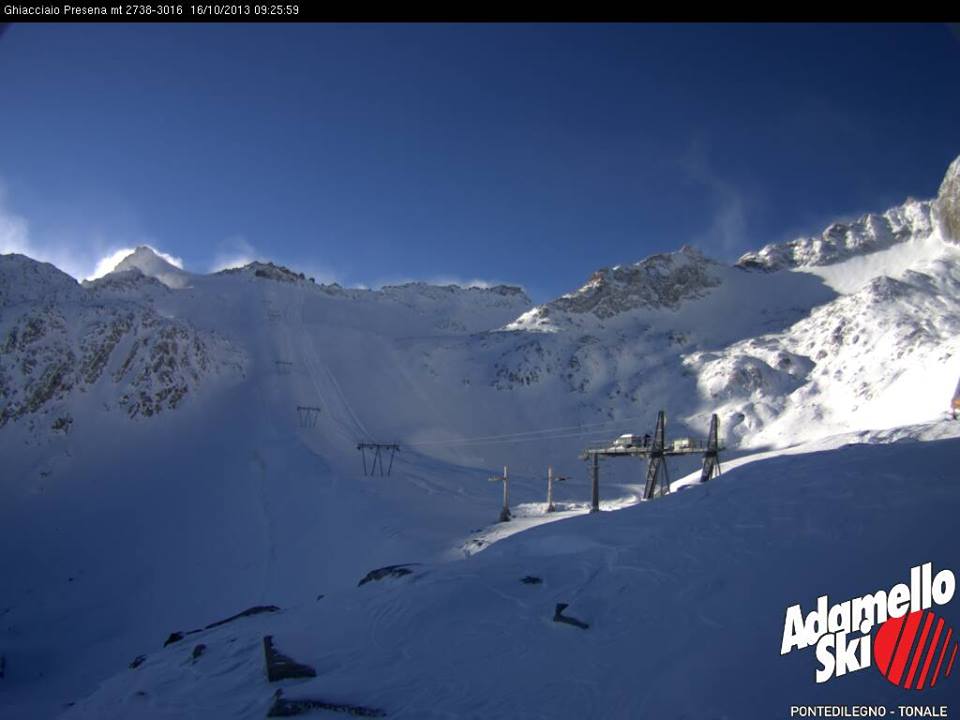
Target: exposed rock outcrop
[{"x": 948, "y": 202}]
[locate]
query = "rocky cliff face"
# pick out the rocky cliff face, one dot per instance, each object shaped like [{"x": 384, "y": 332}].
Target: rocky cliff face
[
  {"x": 141, "y": 362},
  {"x": 659, "y": 282},
  {"x": 268, "y": 271},
  {"x": 441, "y": 292},
  {"x": 60, "y": 341},
  {"x": 948, "y": 202},
  {"x": 872, "y": 232},
  {"x": 841, "y": 241}
]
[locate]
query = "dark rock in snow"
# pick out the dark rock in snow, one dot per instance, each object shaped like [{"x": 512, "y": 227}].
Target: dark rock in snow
[
  {"x": 388, "y": 571},
  {"x": 138, "y": 661},
  {"x": 559, "y": 617},
  {"x": 179, "y": 635},
  {"x": 255, "y": 610},
  {"x": 289, "y": 708},
  {"x": 266, "y": 270},
  {"x": 531, "y": 580},
  {"x": 198, "y": 651},
  {"x": 282, "y": 667},
  {"x": 62, "y": 424}
]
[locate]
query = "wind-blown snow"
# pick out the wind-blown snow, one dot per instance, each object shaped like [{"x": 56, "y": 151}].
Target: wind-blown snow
[
  {"x": 841, "y": 241},
  {"x": 127, "y": 258},
  {"x": 163, "y": 267},
  {"x": 918, "y": 253}
]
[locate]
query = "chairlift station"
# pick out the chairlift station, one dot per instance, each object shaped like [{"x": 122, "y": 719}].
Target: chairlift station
[{"x": 656, "y": 450}]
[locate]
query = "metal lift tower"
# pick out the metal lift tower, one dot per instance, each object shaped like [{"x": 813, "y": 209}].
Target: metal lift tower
[
  {"x": 657, "y": 475},
  {"x": 711, "y": 457},
  {"x": 377, "y": 450},
  {"x": 656, "y": 452}
]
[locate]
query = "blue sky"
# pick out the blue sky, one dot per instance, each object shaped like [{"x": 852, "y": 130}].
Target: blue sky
[{"x": 529, "y": 154}]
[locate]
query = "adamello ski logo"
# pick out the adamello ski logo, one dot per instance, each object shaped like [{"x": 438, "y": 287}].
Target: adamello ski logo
[{"x": 913, "y": 647}]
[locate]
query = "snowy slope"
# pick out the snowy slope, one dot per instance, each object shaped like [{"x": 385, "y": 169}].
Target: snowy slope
[
  {"x": 186, "y": 482},
  {"x": 882, "y": 356},
  {"x": 181, "y": 481},
  {"x": 684, "y": 597},
  {"x": 26, "y": 281}
]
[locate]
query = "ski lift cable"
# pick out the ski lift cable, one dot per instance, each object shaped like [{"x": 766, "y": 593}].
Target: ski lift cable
[
  {"x": 562, "y": 428},
  {"x": 557, "y": 431},
  {"x": 541, "y": 438},
  {"x": 544, "y": 434}
]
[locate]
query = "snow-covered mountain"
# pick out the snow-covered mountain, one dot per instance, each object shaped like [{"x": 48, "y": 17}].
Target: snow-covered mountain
[
  {"x": 104, "y": 341},
  {"x": 852, "y": 329},
  {"x": 151, "y": 264},
  {"x": 842, "y": 241},
  {"x": 189, "y": 441}
]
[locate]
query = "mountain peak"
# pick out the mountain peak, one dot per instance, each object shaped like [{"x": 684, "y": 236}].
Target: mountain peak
[
  {"x": 662, "y": 281},
  {"x": 28, "y": 281},
  {"x": 267, "y": 270},
  {"x": 142, "y": 254},
  {"x": 153, "y": 264}
]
